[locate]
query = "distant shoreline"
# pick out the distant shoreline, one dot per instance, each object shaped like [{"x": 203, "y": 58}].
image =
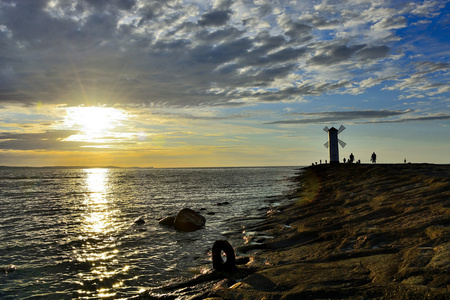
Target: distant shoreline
[
  {"x": 116, "y": 167},
  {"x": 70, "y": 167}
]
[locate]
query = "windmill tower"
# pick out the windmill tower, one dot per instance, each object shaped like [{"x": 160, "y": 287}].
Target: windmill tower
[{"x": 333, "y": 142}]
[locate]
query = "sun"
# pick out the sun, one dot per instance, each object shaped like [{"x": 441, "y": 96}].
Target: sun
[{"x": 93, "y": 121}]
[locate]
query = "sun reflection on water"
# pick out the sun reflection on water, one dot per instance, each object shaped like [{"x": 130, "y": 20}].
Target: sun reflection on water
[
  {"x": 99, "y": 216},
  {"x": 98, "y": 250}
]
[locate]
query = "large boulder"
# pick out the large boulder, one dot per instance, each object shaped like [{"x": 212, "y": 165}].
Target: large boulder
[{"x": 188, "y": 220}]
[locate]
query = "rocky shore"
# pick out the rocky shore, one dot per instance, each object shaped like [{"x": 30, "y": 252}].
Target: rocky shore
[{"x": 357, "y": 231}]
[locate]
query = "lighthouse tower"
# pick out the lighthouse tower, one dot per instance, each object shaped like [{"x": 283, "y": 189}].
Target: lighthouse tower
[{"x": 333, "y": 143}]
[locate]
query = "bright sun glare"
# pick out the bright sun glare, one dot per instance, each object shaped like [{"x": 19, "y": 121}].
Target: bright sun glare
[{"x": 93, "y": 120}]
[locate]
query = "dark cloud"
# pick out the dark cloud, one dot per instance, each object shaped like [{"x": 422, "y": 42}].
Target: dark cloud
[
  {"x": 215, "y": 18},
  {"x": 347, "y": 116},
  {"x": 439, "y": 117},
  {"x": 359, "y": 113},
  {"x": 151, "y": 11},
  {"x": 55, "y": 140},
  {"x": 103, "y": 4},
  {"x": 36, "y": 141},
  {"x": 297, "y": 32},
  {"x": 319, "y": 22},
  {"x": 265, "y": 76},
  {"x": 203, "y": 118},
  {"x": 335, "y": 54},
  {"x": 264, "y": 9},
  {"x": 266, "y": 42},
  {"x": 222, "y": 53},
  {"x": 373, "y": 52},
  {"x": 30, "y": 27},
  {"x": 125, "y": 4},
  {"x": 229, "y": 33},
  {"x": 281, "y": 56}
]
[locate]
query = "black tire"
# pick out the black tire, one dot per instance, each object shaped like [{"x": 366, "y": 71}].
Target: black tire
[{"x": 218, "y": 263}]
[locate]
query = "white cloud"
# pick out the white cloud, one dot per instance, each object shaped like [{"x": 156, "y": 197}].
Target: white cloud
[
  {"x": 427, "y": 8},
  {"x": 169, "y": 53}
]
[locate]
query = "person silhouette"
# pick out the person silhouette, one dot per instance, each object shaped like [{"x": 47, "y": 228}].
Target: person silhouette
[
  {"x": 351, "y": 158},
  {"x": 373, "y": 158}
]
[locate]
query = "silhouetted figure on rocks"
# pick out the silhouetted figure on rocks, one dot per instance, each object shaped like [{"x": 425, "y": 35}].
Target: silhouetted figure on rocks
[
  {"x": 351, "y": 159},
  {"x": 373, "y": 158}
]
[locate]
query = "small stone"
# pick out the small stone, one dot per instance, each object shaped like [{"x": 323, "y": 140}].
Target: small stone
[
  {"x": 167, "y": 221},
  {"x": 139, "y": 221}
]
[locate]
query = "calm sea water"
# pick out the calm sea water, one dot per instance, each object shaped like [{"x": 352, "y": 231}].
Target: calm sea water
[{"x": 70, "y": 232}]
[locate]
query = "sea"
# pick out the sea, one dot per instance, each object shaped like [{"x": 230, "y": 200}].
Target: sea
[{"x": 69, "y": 233}]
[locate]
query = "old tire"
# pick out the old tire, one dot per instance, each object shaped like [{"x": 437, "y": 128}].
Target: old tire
[{"x": 219, "y": 264}]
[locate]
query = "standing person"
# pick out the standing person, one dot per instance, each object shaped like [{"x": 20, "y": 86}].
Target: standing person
[
  {"x": 373, "y": 159},
  {"x": 351, "y": 158}
]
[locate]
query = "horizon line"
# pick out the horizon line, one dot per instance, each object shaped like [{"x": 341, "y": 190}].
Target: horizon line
[{"x": 118, "y": 167}]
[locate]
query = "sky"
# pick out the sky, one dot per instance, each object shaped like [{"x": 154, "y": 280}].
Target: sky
[{"x": 191, "y": 83}]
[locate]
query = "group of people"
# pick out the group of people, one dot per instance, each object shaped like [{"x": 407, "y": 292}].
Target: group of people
[{"x": 351, "y": 159}]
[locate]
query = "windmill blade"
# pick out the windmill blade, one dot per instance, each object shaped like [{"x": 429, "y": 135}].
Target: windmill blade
[
  {"x": 343, "y": 144},
  {"x": 341, "y": 129},
  {"x": 326, "y": 129},
  {"x": 326, "y": 144}
]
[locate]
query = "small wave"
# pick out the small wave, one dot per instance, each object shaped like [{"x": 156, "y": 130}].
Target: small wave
[{"x": 73, "y": 240}]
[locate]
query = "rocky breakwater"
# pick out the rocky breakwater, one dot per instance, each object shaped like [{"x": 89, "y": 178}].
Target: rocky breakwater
[{"x": 356, "y": 232}]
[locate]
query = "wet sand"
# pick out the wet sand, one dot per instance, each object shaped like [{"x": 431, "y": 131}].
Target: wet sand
[{"x": 376, "y": 231}]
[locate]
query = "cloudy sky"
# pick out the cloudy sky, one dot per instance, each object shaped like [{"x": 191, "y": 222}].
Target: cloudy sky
[{"x": 192, "y": 83}]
